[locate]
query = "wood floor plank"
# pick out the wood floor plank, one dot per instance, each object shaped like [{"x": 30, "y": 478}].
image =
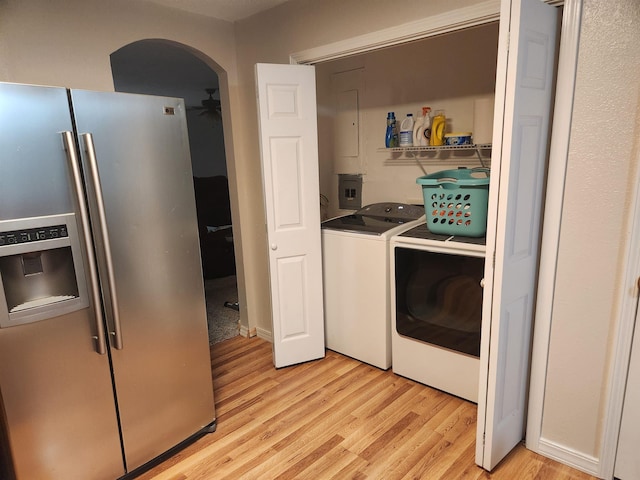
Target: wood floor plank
[
  {"x": 453, "y": 446},
  {"x": 336, "y": 418},
  {"x": 291, "y": 427},
  {"x": 463, "y": 468},
  {"x": 418, "y": 439},
  {"x": 335, "y": 464}
]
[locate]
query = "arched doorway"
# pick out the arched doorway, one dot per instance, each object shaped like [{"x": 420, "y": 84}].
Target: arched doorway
[{"x": 158, "y": 67}]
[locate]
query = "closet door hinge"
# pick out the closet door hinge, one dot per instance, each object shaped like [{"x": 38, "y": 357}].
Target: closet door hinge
[{"x": 638, "y": 283}]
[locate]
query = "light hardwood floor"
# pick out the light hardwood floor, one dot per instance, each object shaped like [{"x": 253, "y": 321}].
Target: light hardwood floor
[{"x": 336, "y": 418}]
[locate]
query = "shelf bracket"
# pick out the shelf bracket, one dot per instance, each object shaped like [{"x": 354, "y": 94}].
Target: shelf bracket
[{"x": 480, "y": 157}]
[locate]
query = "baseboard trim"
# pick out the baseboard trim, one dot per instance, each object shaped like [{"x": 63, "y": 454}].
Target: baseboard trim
[
  {"x": 569, "y": 456},
  {"x": 246, "y": 332},
  {"x": 264, "y": 334}
]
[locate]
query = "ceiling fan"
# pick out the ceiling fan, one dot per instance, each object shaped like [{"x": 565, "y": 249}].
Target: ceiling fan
[{"x": 210, "y": 106}]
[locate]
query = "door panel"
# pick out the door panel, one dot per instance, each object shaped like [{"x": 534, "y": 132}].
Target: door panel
[
  {"x": 291, "y": 301},
  {"x": 162, "y": 373},
  {"x": 289, "y": 151},
  {"x": 524, "y": 84},
  {"x": 286, "y": 171}
]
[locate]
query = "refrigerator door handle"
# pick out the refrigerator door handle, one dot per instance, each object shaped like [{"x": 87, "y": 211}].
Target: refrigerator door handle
[
  {"x": 69, "y": 146},
  {"x": 95, "y": 180}
]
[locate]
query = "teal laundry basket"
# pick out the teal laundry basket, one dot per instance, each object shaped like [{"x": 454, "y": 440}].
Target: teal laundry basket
[{"x": 455, "y": 201}]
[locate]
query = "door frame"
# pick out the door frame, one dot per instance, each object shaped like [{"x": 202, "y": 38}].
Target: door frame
[
  {"x": 565, "y": 87},
  {"x": 481, "y": 14},
  {"x": 454, "y": 20},
  {"x": 603, "y": 465},
  {"x": 623, "y": 340}
]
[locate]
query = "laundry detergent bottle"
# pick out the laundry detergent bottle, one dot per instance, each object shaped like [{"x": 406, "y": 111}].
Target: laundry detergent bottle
[
  {"x": 437, "y": 128},
  {"x": 422, "y": 128},
  {"x": 406, "y": 131}
]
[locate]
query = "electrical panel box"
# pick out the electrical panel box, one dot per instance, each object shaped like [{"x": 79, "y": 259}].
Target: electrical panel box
[{"x": 350, "y": 192}]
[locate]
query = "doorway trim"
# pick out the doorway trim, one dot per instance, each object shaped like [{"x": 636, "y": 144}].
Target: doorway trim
[
  {"x": 451, "y": 21},
  {"x": 623, "y": 340},
  {"x": 559, "y": 151},
  {"x": 234, "y": 201}
]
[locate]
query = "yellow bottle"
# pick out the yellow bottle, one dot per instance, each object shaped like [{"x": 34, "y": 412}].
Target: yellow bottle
[{"x": 437, "y": 129}]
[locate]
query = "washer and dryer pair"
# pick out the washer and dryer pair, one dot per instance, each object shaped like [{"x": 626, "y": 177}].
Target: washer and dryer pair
[
  {"x": 395, "y": 293},
  {"x": 356, "y": 279}
]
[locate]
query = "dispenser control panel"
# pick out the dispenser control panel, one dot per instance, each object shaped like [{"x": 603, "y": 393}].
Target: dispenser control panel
[{"x": 33, "y": 235}]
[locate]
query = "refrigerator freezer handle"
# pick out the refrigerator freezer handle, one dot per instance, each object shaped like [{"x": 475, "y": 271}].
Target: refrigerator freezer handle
[
  {"x": 69, "y": 146},
  {"x": 97, "y": 189}
]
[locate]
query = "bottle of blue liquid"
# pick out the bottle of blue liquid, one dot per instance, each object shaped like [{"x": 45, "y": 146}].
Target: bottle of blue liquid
[{"x": 391, "y": 136}]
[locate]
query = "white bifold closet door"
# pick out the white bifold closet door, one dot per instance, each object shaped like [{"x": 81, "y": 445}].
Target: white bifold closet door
[{"x": 289, "y": 153}]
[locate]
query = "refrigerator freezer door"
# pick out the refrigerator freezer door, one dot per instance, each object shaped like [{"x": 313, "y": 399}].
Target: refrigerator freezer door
[
  {"x": 161, "y": 363},
  {"x": 55, "y": 389}
]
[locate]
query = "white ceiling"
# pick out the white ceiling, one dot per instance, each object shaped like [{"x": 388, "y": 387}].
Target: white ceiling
[{"x": 229, "y": 10}]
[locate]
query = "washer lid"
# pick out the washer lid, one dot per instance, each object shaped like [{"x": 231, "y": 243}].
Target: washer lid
[
  {"x": 375, "y": 219},
  {"x": 393, "y": 210}
]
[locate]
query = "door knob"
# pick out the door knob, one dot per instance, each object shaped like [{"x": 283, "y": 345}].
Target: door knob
[{"x": 274, "y": 246}]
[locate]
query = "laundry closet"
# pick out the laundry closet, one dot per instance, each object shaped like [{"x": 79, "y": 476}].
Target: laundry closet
[
  {"x": 492, "y": 293},
  {"x": 431, "y": 329},
  {"x": 513, "y": 60}
]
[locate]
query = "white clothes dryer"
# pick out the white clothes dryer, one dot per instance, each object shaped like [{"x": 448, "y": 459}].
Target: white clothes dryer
[
  {"x": 437, "y": 309},
  {"x": 356, "y": 280}
]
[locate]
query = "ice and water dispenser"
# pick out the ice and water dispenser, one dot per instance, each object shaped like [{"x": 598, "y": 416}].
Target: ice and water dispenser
[{"x": 41, "y": 269}]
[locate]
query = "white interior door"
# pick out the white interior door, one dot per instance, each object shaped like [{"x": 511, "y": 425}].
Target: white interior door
[
  {"x": 627, "y": 458},
  {"x": 524, "y": 84},
  {"x": 289, "y": 153}
]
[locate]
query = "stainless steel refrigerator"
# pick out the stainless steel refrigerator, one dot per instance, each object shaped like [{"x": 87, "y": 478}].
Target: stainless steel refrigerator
[{"x": 104, "y": 353}]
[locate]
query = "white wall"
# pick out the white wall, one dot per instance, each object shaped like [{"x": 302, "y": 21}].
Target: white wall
[
  {"x": 68, "y": 42},
  {"x": 604, "y": 152}
]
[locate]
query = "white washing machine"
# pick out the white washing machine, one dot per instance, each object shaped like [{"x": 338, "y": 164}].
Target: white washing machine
[
  {"x": 437, "y": 309},
  {"x": 356, "y": 279}
]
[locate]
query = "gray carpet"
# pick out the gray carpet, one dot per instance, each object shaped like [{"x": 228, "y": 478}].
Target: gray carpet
[{"x": 222, "y": 321}]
